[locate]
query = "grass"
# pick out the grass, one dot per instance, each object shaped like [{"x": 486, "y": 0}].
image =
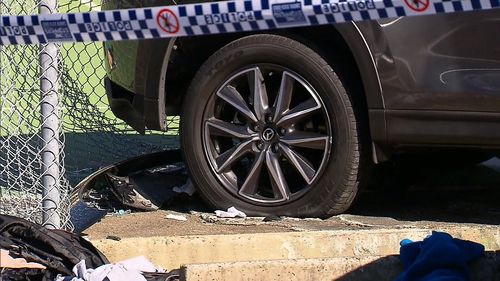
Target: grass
[
  {"x": 83, "y": 67},
  {"x": 83, "y": 73}
]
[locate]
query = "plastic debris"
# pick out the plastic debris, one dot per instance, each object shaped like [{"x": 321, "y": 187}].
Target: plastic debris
[
  {"x": 209, "y": 218},
  {"x": 176, "y": 217},
  {"x": 134, "y": 183},
  {"x": 232, "y": 212},
  {"x": 119, "y": 213}
]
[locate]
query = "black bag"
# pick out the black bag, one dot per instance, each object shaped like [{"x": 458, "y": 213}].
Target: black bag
[{"x": 58, "y": 250}]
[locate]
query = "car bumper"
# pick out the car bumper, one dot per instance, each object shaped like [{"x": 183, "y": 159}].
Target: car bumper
[{"x": 126, "y": 105}]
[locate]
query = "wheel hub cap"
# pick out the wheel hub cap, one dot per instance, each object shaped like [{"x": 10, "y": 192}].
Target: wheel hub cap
[{"x": 268, "y": 134}]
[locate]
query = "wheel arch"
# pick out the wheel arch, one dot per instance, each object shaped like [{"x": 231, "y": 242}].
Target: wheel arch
[
  {"x": 352, "y": 55},
  {"x": 186, "y": 50}
]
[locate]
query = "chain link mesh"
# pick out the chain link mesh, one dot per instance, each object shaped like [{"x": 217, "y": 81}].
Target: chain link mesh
[{"x": 88, "y": 136}]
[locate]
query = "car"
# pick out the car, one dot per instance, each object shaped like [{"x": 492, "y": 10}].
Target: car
[{"x": 294, "y": 121}]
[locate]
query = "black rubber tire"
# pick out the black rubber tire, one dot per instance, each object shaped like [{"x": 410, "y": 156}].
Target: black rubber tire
[{"x": 335, "y": 191}]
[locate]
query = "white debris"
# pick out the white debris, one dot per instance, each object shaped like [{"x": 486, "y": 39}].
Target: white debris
[
  {"x": 187, "y": 188},
  {"x": 351, "y": 220},
  {"x": 128, "y": 270},
  {"x": 230, "y": 213},
  {"x": 176, "y": 217}
]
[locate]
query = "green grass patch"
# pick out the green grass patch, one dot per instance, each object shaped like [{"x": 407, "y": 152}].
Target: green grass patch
[{"x": 85, "y": 106}]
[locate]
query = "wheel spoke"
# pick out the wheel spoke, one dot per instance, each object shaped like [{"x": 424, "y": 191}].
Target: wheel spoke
[
  {"x": 284, "y": 97},
  {"x": 299, "y": 112},
  {"x": 233, "y": 97},
  {"x": 221, "y": 128},
  {"x": 306, "y": 139},
  {"x": 227, "y": 159},
  {"x": 259, "y": 93},
  {"x": 250, "y": 185},
  {"x": 303, "y": 166},
  {"x": 278, "y": 180}
]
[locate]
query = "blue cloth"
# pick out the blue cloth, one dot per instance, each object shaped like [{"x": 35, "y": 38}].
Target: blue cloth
[{"x": 439, "y": 257}]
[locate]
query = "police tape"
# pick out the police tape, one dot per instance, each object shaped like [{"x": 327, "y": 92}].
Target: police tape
[{"x": 215, "y": 18}]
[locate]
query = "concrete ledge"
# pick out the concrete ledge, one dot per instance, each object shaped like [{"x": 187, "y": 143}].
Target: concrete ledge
[
  {"x": 172, "y": 252},
  {"x": 359, "y": 269},
  {"x": 343, "y": 269}
]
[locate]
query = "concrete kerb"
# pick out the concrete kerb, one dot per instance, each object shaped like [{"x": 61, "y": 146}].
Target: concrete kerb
[
  {"x": 173, "y": 252},
  {"x": 340, "y": 269},
  {"x": 351, "y": 268}
]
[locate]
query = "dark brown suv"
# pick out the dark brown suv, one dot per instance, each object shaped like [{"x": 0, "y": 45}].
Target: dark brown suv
[{"x": 290, "y": 122}]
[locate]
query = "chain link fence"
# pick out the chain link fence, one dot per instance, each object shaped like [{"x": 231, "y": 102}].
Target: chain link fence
[{"x": 55, "y": 124}]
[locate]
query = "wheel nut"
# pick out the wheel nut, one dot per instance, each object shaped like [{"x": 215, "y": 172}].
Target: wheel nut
[
  {"x": 282, "y": 131},
  {"x": 260, "y": 146},
  {"x": 269, "y": 118},
  {"x": 256, "y": 128},
  {"x": 276, "y": 147}
]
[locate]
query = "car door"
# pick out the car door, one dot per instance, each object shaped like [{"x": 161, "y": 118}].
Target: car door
[{"x": 447, "y": 62}]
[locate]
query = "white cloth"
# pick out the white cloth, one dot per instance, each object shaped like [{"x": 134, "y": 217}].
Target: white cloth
[
  {"x": 128, "y": 270},
  {"x": 230, "y": 213}
]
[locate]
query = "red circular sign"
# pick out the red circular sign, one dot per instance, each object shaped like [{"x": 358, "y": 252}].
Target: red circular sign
[
  {"x": 417, "y": 5},
  {"x": 167, "y": 21}
]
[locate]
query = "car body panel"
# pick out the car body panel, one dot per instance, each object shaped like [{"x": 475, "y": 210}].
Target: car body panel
[
  {"x": 120, "y": 62},
  {"x": 425, "y": 81},
  {"x": 438, "y": 62},
  {"x": 365, "y": 61}
]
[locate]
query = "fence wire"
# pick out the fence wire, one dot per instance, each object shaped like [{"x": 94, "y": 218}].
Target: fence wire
[{"x": 88, "y": 135}]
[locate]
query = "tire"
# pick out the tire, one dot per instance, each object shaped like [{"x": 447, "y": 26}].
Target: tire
[{"x": 333, "y": 185}]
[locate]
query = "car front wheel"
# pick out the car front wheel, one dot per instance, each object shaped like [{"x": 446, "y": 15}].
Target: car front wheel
[{"x": 268, "y": 127}]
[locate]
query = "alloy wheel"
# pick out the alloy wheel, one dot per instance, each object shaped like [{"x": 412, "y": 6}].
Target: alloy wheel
[{"x": 267, "y": 135}]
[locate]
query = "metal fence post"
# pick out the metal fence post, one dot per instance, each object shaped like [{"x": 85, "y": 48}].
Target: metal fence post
[{"x": 50, "y": 127}]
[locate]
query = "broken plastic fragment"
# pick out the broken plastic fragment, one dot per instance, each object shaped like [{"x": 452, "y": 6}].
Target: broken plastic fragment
[
  {"x": 230, "y": 213},
  {"x": 176, "y": 217}
]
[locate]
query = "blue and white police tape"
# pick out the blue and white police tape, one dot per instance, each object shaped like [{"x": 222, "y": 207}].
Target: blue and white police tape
[{"x": 215, "y": 18}]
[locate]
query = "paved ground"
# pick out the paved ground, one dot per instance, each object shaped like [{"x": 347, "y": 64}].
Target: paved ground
[{"x": 430, "y": 197}]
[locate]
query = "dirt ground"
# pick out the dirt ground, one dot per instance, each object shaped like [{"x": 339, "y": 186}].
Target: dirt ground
[
  {"x": 156, "y": 224},
  {"x": 429, "y": 198}
]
